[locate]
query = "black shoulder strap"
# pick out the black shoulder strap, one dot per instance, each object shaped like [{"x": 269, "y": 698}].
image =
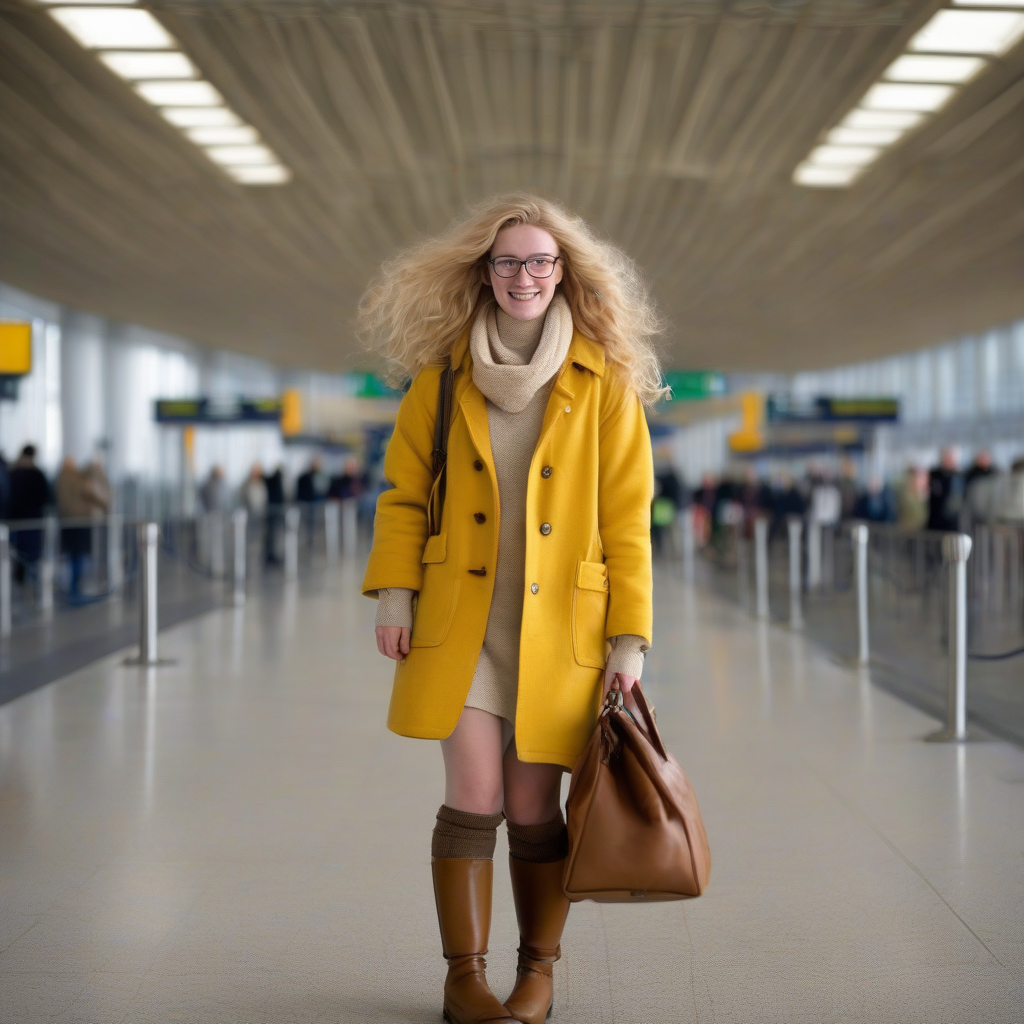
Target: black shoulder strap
[{"x": 442, "y": 424}]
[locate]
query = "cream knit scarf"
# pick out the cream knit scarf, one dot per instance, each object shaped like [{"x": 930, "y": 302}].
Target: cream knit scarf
[{"x": 499, "y": 372}]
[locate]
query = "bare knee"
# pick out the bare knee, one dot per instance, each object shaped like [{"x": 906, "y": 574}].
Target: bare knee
[
  {"x": 532, "y": 791},
  {"x": 472, "y": 762}
]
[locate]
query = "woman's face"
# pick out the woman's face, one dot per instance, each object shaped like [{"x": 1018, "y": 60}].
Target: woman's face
[{"x": 524, "y": 297}]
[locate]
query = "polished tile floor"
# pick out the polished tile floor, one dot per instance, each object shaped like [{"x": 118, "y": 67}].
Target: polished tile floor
[{"x": 236, "y": 838}]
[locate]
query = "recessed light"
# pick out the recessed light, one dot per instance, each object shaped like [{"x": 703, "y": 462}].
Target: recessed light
[
  {"x": 842, "y": 156},
  {"x": 200, "y": 117},
  {"x": 988, "y": 3},
  {"x": 893, "y": 96},
  {"x": 824, "y": 177},
  {"x": 149, "y": 64},
  {"x": 914, "y": 67},
  {"x": 272, "y": 174},
  {"x": 843, "y": 136},
  {"x": 239, "y": 155},
  {"x": 985, "y": 32},
  {"x": 861, "y": 118},
  {"x": 180, "y": 94},
  {"x": 239, "y": 135},
  {"x": 114, "y": 28}
]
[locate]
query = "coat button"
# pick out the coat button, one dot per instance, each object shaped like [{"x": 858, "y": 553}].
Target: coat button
[
  {"x": 478, "y": 465},
  {"x": 480, "y": 517},
  {"x": 534, "y": 588},
  {"x": 568, "y": 408},
  {"x": 546, "y": 472},
  {"x": 545, "y": 528}
]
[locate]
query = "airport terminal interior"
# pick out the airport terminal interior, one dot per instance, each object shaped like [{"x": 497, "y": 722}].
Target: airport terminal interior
[{"x": 204, "y": 816}]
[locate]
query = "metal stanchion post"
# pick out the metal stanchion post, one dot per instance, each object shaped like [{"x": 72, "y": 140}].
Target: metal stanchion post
[
  {"x": 48, "y": 565},
  {"x": 349, "y": 527},
  {"x": 813, "y": 555},
  {"x": 5, "y": 581},
  {"x": 216, "y": 528},
  {"x": 115, "y": 565},
  {"x": 689, "y": 547},
  {"x": 795, "y": 527},
  {"x": 148, "y": 538},
  {"x": 742, "y": 568},
  {"x": 332, "y": 511},
  {"x": 761, "y": 565},
  {"x": 239, "y": 520},
  {"x": 956, "y": 549},
  {"x": 859, "y": 535},
  {"x": 291, "y": 543}
]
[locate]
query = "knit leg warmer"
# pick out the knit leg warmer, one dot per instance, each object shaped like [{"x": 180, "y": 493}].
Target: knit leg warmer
[
  {"x": 460, "y": 835},
  {"x": 539, "y": 844}
]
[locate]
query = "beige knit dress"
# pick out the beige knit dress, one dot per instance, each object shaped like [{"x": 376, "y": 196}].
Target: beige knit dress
[{"x": 514, "y": 437}]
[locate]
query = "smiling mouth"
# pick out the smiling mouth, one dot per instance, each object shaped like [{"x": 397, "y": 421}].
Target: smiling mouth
[{"x": 523, "y": 296}]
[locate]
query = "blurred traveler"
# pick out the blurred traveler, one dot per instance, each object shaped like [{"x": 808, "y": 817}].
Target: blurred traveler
[
  {"x": 348, "y": 484},
  {"x": 99, "y": 485},
  {"x": 30, "y": 495},
  {"x": 979, "y": 469},
  {"x": 79, "y": 496},
  {"x": 513, "y": 723},
  {"x": 826, "y": 505},
  {"x": 5, "y": 488},
  {"x": 310, "y": 490},
  {"x": 945, "y": 493},
  {"x": 668, "y": 499},
  {"x": 254, "y": 493},
  {"x": 877, "y": 504},
  {"x": 1011, "y": 503},
  {"x": 912, "y": 499},
  {"x": 274, "y": 484},
  {"x": 849, "y": 489},
  {"x": 214, "y": 492}
]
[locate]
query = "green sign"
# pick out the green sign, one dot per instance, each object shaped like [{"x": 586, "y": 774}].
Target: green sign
[
  {"x": 364, "y": 384},
  {"x": 692, "y": 385}
]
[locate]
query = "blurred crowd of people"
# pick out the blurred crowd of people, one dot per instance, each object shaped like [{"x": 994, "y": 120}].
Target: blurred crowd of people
[{"x": 944, "y": 497}]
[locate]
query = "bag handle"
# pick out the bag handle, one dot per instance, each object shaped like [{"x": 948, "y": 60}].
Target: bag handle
[
  {"x": 614, "y": 702},
  {"x": 442, "y": 424}
]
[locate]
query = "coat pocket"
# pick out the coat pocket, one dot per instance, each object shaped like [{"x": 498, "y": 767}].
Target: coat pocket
[
  {"x": 435, "y": 605},
  {"x": 589, "y": 614}
]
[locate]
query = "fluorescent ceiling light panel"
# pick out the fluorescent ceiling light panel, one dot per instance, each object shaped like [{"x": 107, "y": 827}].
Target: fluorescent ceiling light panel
[
  {"x": 988, "y": 3},
  {"x": 85, "y": 3},
  {"x": 984, "y": 32},
  {"x": 149, "y": 64},
  {"x": 913, "y": 67},
  {"x": 893, "y": 96},
  {"x": 824, "y": 177},
  {"x": 233, "y": 156},
  {"x": 241, "y": 135},
  {"x": 861, "y": 118},
  {"x": 842, "y": 156},
  {"x": 180, "y": 94},
  {"x": 200, "y": 117},
  {"x": 843, "y": 136},
  {"x": 114, "y": 28},
  {"x": 274, "y": 174}
]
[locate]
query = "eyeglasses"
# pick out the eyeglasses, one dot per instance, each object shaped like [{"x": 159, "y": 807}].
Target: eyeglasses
[{"x": 536, "y": 266}]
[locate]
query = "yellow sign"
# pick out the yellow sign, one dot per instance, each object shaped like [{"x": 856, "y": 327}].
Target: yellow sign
[
  {"x": 749, "y": 438},
  {"x": 15, "y": 348},
  {"x": 291, "y": 413}
]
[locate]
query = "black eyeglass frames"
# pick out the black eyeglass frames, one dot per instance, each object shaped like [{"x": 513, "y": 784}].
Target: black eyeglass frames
[{"x": 536, "y": 266}]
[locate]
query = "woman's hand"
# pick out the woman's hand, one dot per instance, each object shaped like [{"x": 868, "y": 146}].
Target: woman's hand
[
  {"x": 620, "y": 681},
  {"x": 393, "y": 641}
]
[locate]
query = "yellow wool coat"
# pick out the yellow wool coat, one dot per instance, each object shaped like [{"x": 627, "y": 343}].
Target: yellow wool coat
[{"x": 588, "y": 551}]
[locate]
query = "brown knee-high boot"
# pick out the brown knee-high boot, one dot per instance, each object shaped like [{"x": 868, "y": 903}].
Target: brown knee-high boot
[
  {"x": 463, "y": 872},
  {"x": 541, "y": 910}
]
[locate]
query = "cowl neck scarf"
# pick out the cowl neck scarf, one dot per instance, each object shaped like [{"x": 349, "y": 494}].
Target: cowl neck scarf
[{"x": 499, "y": 371}]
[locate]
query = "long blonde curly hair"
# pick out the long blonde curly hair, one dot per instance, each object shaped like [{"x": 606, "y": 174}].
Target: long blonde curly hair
[{"x": 423, "y": 298}]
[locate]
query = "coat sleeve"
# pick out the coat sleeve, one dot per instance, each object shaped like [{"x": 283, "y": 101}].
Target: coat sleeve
[
  {"x": 625, "y": 492},
  {"x": 400, "y": 525}
]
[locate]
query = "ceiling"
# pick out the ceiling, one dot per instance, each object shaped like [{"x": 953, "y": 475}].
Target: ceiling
[{"x": 672, "y": 125}]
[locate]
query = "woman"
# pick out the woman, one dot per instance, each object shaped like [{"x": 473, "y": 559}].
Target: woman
[{"x": 501, "y": 609}]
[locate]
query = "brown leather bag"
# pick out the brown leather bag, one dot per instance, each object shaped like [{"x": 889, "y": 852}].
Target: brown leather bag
[{"x": 635, "y": 831}]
